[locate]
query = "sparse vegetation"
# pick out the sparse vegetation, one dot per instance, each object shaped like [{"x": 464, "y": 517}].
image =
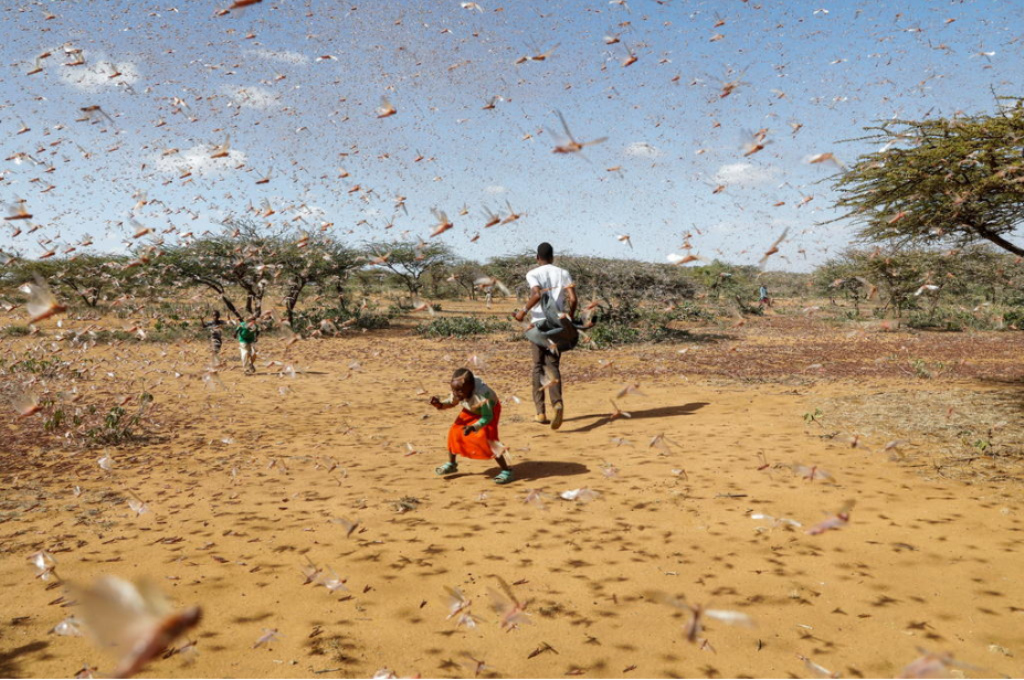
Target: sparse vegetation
[{"x": 461, "y": 327}]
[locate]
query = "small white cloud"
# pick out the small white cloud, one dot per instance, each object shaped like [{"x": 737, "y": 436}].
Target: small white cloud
[
  {"x": 306, "y": 210},
  {"x": 280, "y": 56},
  {"x": 642, "y": 150},
  {"x": 254, "y": 97},
  {"x": 198, "y": 161},
  {"x": 94, "y": 76},
  {"x": 744, "y": 174},
  {"x": 495, "y": 189}
]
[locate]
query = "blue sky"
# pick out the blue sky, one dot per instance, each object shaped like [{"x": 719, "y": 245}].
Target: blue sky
[{"x": 178, "y": 80}]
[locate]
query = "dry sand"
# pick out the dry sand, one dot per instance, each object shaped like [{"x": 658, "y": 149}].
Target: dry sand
[{"x": 241, "y": 495}]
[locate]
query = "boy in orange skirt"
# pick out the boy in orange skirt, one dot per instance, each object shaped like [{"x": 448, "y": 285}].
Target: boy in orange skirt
[{"x": 477, "y": 425}]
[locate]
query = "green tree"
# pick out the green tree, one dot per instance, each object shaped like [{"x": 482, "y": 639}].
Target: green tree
[
  {"x": 90, "y": 278},
  {"x": 409, "y": 262},
  {"x": 319, "y": 260},
  {"x": 952, "y": 180},
  {"x": 843, "y": 275},
  {"x": 244, "y": 255}
]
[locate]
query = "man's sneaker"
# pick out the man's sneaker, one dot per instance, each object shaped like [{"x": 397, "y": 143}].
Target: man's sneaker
[
  {"x": 541, "y": 418},
  {"x": 556, "y": 421}
]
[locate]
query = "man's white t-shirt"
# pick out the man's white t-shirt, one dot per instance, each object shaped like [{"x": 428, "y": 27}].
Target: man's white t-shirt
[{"x": 549, "y": 278}]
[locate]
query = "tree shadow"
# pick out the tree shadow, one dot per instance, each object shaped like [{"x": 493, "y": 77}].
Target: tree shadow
[
  {"x": 8, "y": 660},
  {"x": 681, "y": 335},
  {"x": 660, "y": 412}
]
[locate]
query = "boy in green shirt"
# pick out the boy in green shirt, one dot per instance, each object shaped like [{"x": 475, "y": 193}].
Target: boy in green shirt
[{"x": 247, "y": 332}]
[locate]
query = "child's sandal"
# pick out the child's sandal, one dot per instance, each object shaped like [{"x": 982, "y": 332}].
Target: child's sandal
[
  {"x": 447, "y": 468},
  {"x": 504, "y": 477}
]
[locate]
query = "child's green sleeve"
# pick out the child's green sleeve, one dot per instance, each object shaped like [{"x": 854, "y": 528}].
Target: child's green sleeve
[{"x": 486, "y": 414}]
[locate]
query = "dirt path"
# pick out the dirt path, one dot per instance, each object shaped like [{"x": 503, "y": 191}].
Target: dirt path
[{"x": 241, "y": 495}]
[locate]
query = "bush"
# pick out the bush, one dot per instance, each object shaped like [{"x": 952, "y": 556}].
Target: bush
[
  {"x": 90, "y": 428},
  {"x": 104, "y": 336},
  {"x": 459, "y": 327},
  {"x": 614, "y": 334},
  {"x": 309, "y": 320},
  {"x": 948, "y": 319},
  {"x": 15, "y": 331},
  {"x": 633, "y": 324},
  {"x": 1015, "y": 318},
  {"x": 42, "y": 368},
  {"x": 404, "y": 306}
]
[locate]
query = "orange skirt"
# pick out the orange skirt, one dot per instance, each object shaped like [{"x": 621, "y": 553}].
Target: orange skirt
[{"x": 478, "y": 444}]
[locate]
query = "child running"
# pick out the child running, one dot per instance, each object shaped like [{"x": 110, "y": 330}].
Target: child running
[
  {"x": 216, "y": 326},
  {"x": 247, "y": 332},
  {"x": 476, "y": 427}
]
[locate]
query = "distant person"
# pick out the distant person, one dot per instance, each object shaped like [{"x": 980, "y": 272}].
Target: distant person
[
  {"x": 216, "y": 326},
  {"x": 247, "y": 333},
  {"x": 763, "y": 299},
  {"x": 476, "y": 427},
  {"x": 552, "y": 306}
]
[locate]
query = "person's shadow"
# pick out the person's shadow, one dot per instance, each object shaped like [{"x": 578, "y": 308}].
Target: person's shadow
[
  {"x": 660, "y": 412},
  {"x": 532, "y": 470}
]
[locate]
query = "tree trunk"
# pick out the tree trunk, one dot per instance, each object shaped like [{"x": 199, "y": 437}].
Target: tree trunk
[
  {"x": 230, "y": 305},
  {"x": 414, "y": 287},
  {"x": 342, "y": 302},
  {"x": 292, "y": 299},
  {"x": 1001, "y": 242}
]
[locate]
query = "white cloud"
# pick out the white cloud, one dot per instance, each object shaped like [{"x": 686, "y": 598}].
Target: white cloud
[
  {"x": 254, "y": 97},
  {"x": 310, "y": 211},
  {"x": 743, "y": 174},
  {"x": 495, "y": 189},
  {"x": 198, "y": 161},
  {"x": 95, "y": 76},
  {"x": 280, "y": 56},
  {"x": 642, "y": 150}
]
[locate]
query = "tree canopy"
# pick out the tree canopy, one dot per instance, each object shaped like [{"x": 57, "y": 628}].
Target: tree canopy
[{"x": 951, "y": 181}]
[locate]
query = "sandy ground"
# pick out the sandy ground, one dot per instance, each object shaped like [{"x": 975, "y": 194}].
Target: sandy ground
[{"x": 241, "y": 492}]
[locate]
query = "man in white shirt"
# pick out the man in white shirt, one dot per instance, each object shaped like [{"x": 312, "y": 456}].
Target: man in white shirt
[{"x": 547, "y": 375}]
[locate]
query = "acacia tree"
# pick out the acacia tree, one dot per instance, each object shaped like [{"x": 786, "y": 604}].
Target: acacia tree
[
  {"x": 91, "y": 278},
  {"x": 463, "y": 276},
  {"x": 245, "y": 255},
  {"x": 844, "y": 275},
  {"x": 946, "y": 180},
  {"x": 409, "y": 262},
  {"x": 904, "y": 278},
  {"x": 320, "y": 260}
]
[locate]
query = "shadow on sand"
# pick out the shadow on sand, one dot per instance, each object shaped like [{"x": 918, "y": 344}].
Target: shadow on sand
[
  {"x": 531, "y": 470},
  {"x": 660, "y": 412},
  {"x": 9, "y": 666}
]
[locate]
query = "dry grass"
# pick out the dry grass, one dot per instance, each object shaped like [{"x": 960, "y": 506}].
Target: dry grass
[{"x": 957, "y": 432}]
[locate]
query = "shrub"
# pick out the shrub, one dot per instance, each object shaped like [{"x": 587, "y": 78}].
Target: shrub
[
  {"x": 948, "y": 319},
  {"x": 633, "y": 324},
  {"x": 309, "y": 320},
  {"x": 405, "y": 306},
  {"x": 42, "y": 368},
  {"x": 89, "y": 427},
  {"x": 1015, "y": 318},
  {"x": 614, "y": 334},
  {"x": 459, "y": 327},
  {"x": 15, "y": 331}
]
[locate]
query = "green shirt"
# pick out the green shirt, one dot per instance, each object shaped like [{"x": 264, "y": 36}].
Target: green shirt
[{"x": 245, "y": 334}]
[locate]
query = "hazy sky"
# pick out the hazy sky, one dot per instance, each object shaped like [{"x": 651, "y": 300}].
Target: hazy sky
[{"x": 297, "y": 85}]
